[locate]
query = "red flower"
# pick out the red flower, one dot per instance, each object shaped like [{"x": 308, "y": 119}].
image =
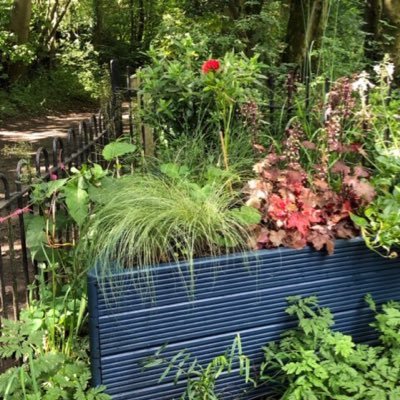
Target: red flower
[{"x": 210, "y": 65}]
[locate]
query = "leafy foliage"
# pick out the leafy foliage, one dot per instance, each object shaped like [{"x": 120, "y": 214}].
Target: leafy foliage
[
  {"x": 117, "y": 149},
  {"x": 71, "y": 198},
  {"x": 50, "y": 376},
  {"x": 314, "y": 362},
  {"x": 298, "y": 209},
  {"x": 379, "y": 223},
  {"x": 46, "y": 339},
  {"x": 180, "y": 99},
  {"x": 201, "y": 380}
]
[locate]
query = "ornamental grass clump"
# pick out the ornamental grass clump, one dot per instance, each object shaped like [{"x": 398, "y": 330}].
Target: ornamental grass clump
[{"x": 151, "y": 219}]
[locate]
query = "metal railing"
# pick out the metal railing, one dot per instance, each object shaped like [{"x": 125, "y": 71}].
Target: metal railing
[{"x": 83, "y": 144}]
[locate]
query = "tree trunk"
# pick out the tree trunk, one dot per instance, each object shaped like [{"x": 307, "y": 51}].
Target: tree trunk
[
  {"x": 391, "y": 14},
  {"x": 307, "y": 22},
  {"x": 20, "y": 20},
  {"x": 98, "y": 23},
  {"x": 382, "y": 26},
  {"x": 132, "y": 35},
  {"x": 141, "y": 18},
  {"x": 234, "y": 9},
  {"x": 372, "y": 17},
  {"x": 19, "y": 25},
  {"x": 252, "y": 10},
  {"x": 238, "y": 9}
]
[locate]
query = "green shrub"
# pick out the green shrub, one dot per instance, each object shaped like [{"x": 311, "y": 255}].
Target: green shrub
[
  {"x": 180, "y": 99},
  {"x": 47, "y": 340},
  {"x": 314, "y": 362}
]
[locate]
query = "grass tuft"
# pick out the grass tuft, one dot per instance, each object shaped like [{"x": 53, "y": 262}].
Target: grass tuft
[{"x": 154, "y": 219}]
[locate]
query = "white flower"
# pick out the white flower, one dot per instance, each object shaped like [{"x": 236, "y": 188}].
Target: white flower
[
  {"x": 390, "y": 70},
  {"x": 362, "y": 84},
  {"x": 385, "y": 70}
]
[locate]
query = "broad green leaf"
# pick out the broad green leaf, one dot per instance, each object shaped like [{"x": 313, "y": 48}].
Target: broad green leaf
[
  {"x": 98, "y": 172},
  {"x": 35, "y": 233},
  {"x": 117, "y": 149},
  {"x": 77, "y": 200},
  {"x": 174, "y": 171},
  {"x": 247, "y": 215},
  {"x": 35, "y": 324},
  {"x": 54, "y": 186},
  {"x": 362, "y": 222}
]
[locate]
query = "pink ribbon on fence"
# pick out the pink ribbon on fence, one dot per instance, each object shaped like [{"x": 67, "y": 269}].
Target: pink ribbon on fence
[{"x": 15, "y": 213}]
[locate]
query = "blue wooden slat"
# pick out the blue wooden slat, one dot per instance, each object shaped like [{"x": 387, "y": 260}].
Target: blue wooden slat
[{"x": 233, "y": 294}]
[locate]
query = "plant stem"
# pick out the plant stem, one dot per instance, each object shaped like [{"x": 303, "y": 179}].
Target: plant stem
[{"x": 224, "y": 150}]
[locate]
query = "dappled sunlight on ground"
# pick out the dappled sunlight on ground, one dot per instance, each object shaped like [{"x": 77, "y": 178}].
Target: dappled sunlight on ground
[
  {"x": 37, "y": 129},
  {"x": 39, "y": 132}
]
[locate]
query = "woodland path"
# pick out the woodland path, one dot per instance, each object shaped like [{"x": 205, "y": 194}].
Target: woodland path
[{"x": 38, "y": 132}]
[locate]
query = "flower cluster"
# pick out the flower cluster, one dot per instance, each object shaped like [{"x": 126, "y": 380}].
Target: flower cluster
[
  {"x": 341, "y": 111},
  {"x": 251, "y": 116},
  {"x": 210, "y": 65}
]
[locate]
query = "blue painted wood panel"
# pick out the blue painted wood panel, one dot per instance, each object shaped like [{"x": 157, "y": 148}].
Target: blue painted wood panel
[{"x": 237, "y": 293}]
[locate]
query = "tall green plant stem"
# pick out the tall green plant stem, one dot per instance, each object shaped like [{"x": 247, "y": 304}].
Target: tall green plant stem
[{"x": 225, "y": 134}]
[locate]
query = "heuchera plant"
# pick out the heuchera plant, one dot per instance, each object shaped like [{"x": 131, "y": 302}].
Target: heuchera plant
[
  {"x": 308, "y": 190},
  {"x": 299, "y": 208}
]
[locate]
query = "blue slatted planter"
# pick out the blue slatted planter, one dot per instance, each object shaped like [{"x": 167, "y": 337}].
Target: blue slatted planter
[{"x": 238, "y": 293}]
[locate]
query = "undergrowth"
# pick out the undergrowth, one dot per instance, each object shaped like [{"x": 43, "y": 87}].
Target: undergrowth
[{"x": 61, "y": 89}]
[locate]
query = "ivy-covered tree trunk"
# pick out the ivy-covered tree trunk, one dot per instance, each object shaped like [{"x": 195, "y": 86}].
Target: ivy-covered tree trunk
[
  {"x": 132, "y": 35},
  {"x": 19, "y": 25},
  {"x": 20, "y": 20},
  {"x": 307, "y": 22},
  {"x": 247, "y": 11},
  {"x": 382, "y": 25},
  {"x": 391, "y": 15},
  {"x": 141, "y": 22},
  {"x": 252, "y": 10},
  {"x": 373, "y": 14},
  {"x": 98, "y": 23}
]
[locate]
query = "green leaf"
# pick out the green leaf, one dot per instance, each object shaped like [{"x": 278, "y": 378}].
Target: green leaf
[
  {"x": 77, "y": 200},
  {"x": 35, "y": 233},
  {"x": 246, "y": 215},
  {"x": 117, "y": 149},
  {"x": 54, "y": 186},
  {"x": 174, "y": 171},
  {"x": 361, "y": 222},
  {"x": 98, "y": 172}
]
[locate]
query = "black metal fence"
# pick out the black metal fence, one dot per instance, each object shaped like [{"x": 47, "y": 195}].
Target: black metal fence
[{"x": 83, "y": 144}]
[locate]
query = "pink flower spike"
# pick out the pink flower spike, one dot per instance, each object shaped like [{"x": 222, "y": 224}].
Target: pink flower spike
[{"x": 53, "y": 177}]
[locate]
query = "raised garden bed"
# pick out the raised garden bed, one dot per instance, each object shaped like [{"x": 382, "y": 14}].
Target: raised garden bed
[{"x": 238, "y": 293}]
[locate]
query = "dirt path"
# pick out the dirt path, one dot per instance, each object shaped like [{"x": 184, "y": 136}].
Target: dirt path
[{"x": 35, "y": 131}]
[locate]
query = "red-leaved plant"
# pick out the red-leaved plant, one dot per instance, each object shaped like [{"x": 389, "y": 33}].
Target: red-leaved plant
[{"x": 298, "y": 208}]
